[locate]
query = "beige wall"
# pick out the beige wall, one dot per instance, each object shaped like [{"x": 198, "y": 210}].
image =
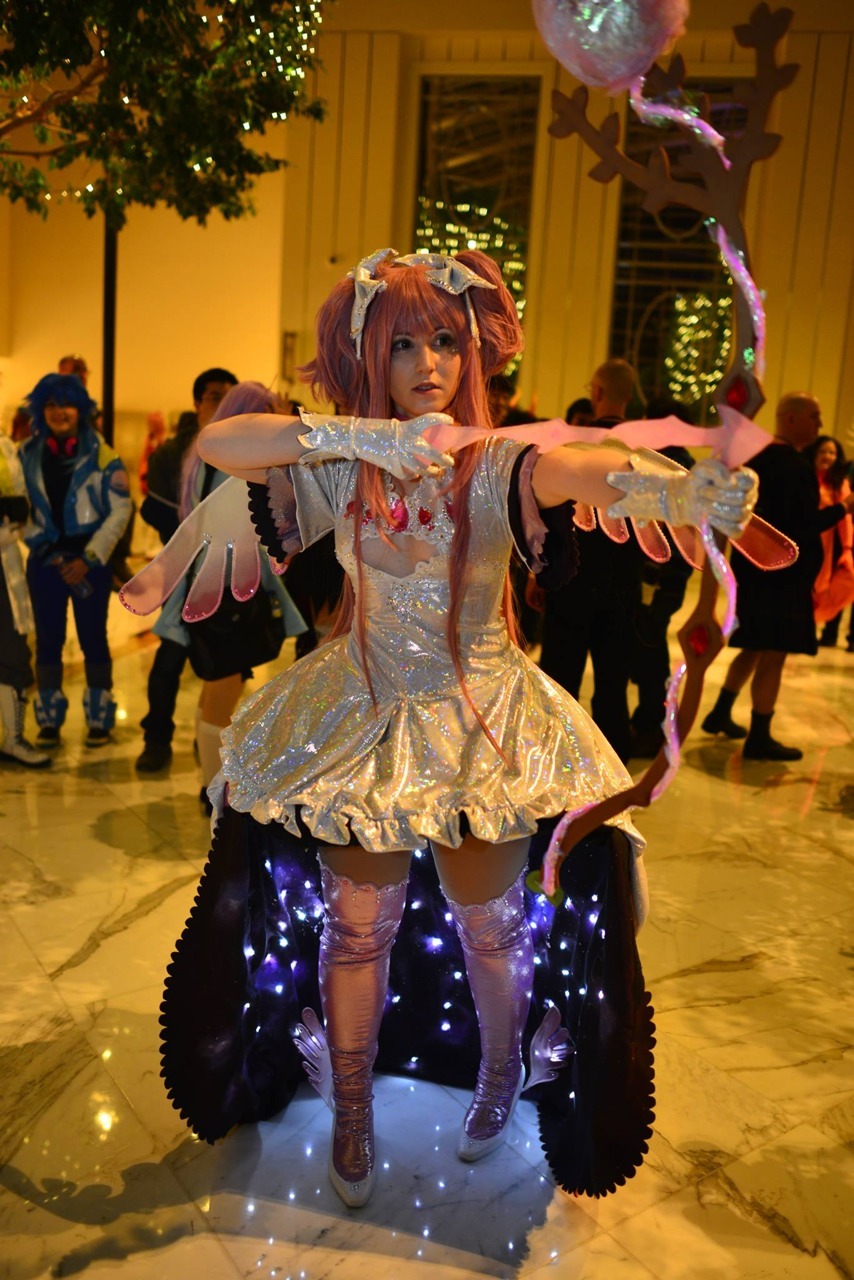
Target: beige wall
[{"x": 191, "y": 296}]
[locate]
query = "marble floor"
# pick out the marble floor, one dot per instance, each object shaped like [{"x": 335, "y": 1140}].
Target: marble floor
[{"x": 748, "y": 953}]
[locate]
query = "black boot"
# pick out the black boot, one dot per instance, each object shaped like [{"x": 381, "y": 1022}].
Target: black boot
[
  {"x": 719, "y": 719},
  {"x": 759, "y": 745}
]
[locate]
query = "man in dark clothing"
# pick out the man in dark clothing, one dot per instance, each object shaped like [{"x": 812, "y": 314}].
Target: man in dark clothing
[
  {"x": 161, "y": 511},
  {"x": 662, "y": 594},
  {"x": 593, "y": 613},
  {"x": 775, "y": 609}
]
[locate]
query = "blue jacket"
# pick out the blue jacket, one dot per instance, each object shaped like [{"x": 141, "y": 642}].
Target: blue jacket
[{"x": 97, "y": 504}]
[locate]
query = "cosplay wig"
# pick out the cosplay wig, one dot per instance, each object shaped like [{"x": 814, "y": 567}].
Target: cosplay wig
[
  {"x": 243, "y": 397},
  {"x": 838, "y": 470},
  {"x": 411, "y": 304},
  {"x": 61, "y": 389}
]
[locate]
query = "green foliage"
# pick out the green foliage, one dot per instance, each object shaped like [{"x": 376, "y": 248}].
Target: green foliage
[{"x": 166, "y": 101}]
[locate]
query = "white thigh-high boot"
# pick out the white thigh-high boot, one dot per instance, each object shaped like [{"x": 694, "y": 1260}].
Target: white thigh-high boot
[
  {"x": 360, "y": 926},
  {"x": 13, "y": 744},
  {"x": 499, "y": 956}
]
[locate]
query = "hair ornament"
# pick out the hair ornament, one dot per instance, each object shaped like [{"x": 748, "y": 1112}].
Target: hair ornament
[
  {"x": 445, "y": 272},
  {"x": 367, "y": 287}
]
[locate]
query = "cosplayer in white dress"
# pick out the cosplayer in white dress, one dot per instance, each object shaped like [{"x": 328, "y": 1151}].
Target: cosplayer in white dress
[{"x": 423, "y": 722}]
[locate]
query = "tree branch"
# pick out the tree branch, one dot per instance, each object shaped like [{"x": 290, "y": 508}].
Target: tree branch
[{"x": 43, "y": 110}]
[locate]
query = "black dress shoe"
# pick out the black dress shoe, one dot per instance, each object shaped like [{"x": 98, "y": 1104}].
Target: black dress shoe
[
  {"x": 722, "y": 722},
  {"x": 769, "y": 749},
  {"x": 155, "y": 756}
]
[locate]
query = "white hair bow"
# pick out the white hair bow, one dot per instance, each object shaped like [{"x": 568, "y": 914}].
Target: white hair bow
[{"x": 445, "y": 272}]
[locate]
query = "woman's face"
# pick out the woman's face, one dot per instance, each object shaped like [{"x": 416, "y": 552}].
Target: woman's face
[
  {"x": 825, "y": 456},
  {"x": 61, "y": 419},
  {"x": 425, "y": 372}
]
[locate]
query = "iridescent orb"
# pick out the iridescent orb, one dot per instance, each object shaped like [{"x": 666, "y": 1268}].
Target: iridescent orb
[{"x": 608, "y": 43}]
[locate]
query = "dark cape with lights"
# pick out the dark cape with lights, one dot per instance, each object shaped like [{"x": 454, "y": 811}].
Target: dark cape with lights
[{"x": 246, "y": 966}]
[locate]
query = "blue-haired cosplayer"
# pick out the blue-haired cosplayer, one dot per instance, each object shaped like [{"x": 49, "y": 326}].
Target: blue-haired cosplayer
[{"x": 79, "y": 507}]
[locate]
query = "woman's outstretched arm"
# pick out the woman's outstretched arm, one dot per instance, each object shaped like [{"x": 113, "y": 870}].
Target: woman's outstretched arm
[
  {"x": 645, "y": 486},
  {"x": 245, "y": 446},
  {"x": 578, "y": 473}
]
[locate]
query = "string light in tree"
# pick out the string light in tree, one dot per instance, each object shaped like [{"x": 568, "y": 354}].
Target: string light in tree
[{"x": 701, "y": 345}]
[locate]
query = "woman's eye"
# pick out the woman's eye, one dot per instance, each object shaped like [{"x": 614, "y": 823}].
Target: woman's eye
[
  {"x": 445, "y": 341},
  {"x": 401, "y": 344}
]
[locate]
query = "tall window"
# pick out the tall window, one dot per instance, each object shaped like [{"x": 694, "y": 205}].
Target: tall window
[
  {"x": 476, "y": 168},
  {"x": 673, "y": 302}
]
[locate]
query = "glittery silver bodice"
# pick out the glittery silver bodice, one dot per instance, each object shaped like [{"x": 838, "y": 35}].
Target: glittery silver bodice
[{"x": 395, "y": 774}]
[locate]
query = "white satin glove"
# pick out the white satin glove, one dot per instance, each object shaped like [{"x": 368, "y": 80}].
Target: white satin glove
[
  {"x": 396, "y": 447},
  {"x": 709, "y": 491}
]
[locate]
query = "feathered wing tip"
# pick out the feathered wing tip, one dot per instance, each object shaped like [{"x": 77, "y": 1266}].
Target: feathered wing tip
[
  {"x": 596, "y": 1117},
  {"x": 226, "y": 1051}
]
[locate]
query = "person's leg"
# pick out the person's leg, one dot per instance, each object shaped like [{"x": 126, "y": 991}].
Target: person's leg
[
  {"x": 719, "y": 719},
  {"x": 217, "y": 701},
  {"x": 90, "y": 619},
  {"x": 484, "y": 887},
  {"x": 364, "y": 896},
  {"x": 16, "y": 676},
  {"x": 759, "y": 745},
  {"x": 610, "y": 654},
  {"x": 830, "y": 632},
  {"x": 49, "y": 596},
  {"x": 158, "y": 725},
  {"x": 564, "y": 639}
]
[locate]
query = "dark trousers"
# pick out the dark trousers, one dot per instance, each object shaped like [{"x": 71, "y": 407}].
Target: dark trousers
[
  {"x": 650, "y": 656},
  {"x": 164, "y": 680},
  {"x": 51, "y": 597},
  {"x": 578, "y": 622},
  {"x": 830, "y": 630},
  {"x": 15, "y": 668}
]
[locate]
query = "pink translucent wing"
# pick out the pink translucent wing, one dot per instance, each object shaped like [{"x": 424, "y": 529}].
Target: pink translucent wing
[
  {"x": 584, "y": 517},
  {"x": 205, "y": 595},
  {"x": 245, "y": 569},
  {"x": 766, "y": 546},
  {"x": 652, "y": 540},
  {"x": 689, "y": 544},
  {"x": 613, "y": 527},
  {"x": 550, "y": 1049},
  {"x": 309, "y": 1037},
  {"x": 227, "y": 526},
  {"x": 147, "y": 590}
]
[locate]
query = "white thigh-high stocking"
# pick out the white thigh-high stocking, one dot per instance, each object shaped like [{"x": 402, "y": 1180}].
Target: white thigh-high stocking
[
  {"x": 360, "y": 926},
  {"x": 499, "y": 956}
]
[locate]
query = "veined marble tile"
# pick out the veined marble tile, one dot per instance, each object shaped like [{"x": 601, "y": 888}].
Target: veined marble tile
[
  {"x": 673, "y": 940},
  {"x": 601, "y": 1258},
  {"x": 83, "y": 1189},
  {"x": 699, "y": 1133},
  {"x": 97, "y": 945},
  {"x": 124, "y": 1034},
  {"x": 782, "y": 1210},
  {"x": 271, "y": 1181},
  {"x": 117, "y": 851}
]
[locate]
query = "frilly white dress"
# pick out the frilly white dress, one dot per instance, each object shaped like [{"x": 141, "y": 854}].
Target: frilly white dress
[{"x": 396, "y": 773}]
